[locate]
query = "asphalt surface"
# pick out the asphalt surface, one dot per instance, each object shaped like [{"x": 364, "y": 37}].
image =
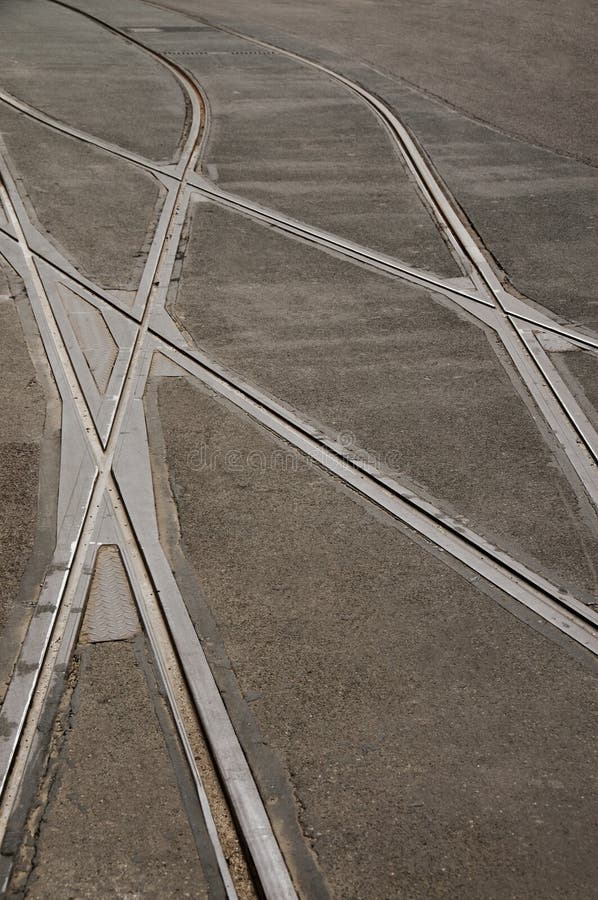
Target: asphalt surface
[
  {"x": 412, "y": 732},
  {"x": 582, "y": 372},
  {"x": 528, "y": 70},
  {"x": 22, "y": 403},
  {"x": 422, "y": 390},
  {"x": 90, "y": 843},
  {"x": 434, "y": 744},
  {"x": 290, "y": 139},
  {"x": 71, "y": 68},
  {"x": 518, "y": 88},
  {"x": 99, "y": 210},
  {"x": 518, "y": 196}
]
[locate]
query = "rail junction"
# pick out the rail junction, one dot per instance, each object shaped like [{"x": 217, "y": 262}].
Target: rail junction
[{"x": 367, "y": 636}]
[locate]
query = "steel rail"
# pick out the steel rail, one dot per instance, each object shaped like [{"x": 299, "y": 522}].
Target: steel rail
[
  {"x": 579, "y": 620},
  {"x": 560, "y": 609},
  {"x": 14, "y": 756},
  {"x": 328, "y": 241},
  {"x": 494, "y": 567},
  {"x": 58, "y": 354},
  {"x": 103, "y": 454},
  {"x": 355, "y": 252},
  {"x": 558, "y": 406},
  {"x": 365, "y": 255},
  {"x": 59, "y": 643},
  {"x": 427, "y": 182},
  {"x": 556, "y": 593},
  {"x": 204, "y": 187},
  {"x": 247, "y": 805},
  {"x": 562, "y": 420},
  {"x": 85, "y": 137},
  {"x": 171, "y": 678},
  {"x": 287, "y": 224}
]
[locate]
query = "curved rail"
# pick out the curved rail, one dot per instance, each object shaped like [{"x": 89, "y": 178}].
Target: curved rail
[
  {"x": 559, "y": 608},
  {"x": 242, "y": 792}
]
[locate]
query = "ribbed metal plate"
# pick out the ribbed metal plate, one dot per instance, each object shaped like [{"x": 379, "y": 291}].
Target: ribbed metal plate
[{"x": 111, "y": 614}]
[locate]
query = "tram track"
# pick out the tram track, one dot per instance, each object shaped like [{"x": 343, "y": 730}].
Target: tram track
[
  {"x": 162, "y": 609},
  {"x": 24, "y": 703},
  {"x": 515, "y": 307},
  {"x": 514, "y": 327},
  {"x": 181, "y": 350},
  {"x": 559, "y": 408},
  {"x": 555, "y": 400},
  {"x": 293, "y": 428},
  {"x": 511, "y": 318}
]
